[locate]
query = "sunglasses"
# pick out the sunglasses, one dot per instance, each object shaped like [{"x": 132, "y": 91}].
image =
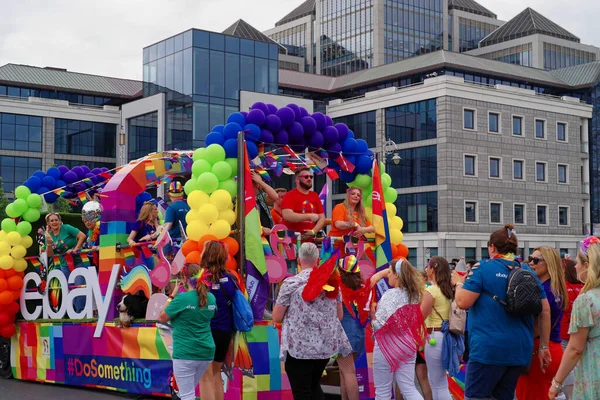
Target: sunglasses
[
  {"x": 285, "y": 233},
  {"x": 306, "y": 176},
  {"x": 348, "y": 238},
  {"x": 535, "y": 260}
]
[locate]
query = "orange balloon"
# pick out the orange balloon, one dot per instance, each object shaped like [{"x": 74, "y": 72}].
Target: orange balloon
[
  {"x": 8, "y": 331},
  {"x": 10, "y": 272},
  {"x": 231, "y": 263},
  {"x": 232, "y": 245},
  {"x": 203, "y": 240},
  {"x": 395, "y": 253},
  {"x": 12, "y": 308},
  {"x": 2, "y": 274},
  {"x": 3, "y": 285},
  {"x": 14, "y": 282},
  {"x": 6, "y": 298},
  {"x": 193, "y": 257},
  {"x": 21, "y": 274},
  {"x": 402, "y": 250},
  {"x": 189, "y": 246},
  {"x": 16, "y": 294}
]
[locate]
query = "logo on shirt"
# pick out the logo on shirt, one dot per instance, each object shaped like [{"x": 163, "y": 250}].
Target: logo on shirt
[
  {"x": 224, "y": 279},
  {"x": 190, "y": 307},
  {"x": 212, "y": 307},
  {"x": 501, "y": 275},
  {"x": 216, "y": 286}
]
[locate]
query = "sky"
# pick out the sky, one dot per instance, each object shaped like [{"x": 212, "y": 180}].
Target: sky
[{"x": 106, "y": 37}]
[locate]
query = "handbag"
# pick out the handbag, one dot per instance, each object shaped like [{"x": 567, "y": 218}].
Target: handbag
[{"x": 457, "y": 320}]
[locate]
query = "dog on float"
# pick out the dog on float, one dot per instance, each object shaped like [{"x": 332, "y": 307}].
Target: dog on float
[{"x": 131, "y": 307}]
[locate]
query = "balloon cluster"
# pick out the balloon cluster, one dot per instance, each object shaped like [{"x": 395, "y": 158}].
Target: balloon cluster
[
  {"x": 212, "y": 170},
  {"x": 63, "y": 177}
]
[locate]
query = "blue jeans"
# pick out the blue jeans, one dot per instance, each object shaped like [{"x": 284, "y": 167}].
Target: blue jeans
[
  {"x": 79, "y": 301},
  {"x": 484, "y": 381}
]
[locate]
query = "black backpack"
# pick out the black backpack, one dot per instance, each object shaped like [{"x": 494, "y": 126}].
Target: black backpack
[{"x": 522, "y": 292}]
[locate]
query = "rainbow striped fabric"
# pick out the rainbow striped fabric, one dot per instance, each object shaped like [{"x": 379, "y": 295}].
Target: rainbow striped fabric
[{"x": 150, "y": 171}]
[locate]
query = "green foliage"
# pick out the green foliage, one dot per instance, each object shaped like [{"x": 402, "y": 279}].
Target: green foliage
[
  {"x": 3, "y": 202},
  {"x": 61, "y": 205}
]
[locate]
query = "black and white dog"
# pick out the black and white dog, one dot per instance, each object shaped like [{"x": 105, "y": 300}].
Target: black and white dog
[{"x": 132, "y": 306}]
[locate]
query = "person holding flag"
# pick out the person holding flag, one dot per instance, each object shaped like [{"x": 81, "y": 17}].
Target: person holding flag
[{"x": 349, "y": 217}]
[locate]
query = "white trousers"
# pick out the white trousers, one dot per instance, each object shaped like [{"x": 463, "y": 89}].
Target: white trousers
[
  {"x": 187, "y": 375},
  {"x": 435, "y": 372},
  {"x": 384, "y": 378}
]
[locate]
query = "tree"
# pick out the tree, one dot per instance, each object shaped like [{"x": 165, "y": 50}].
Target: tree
[
  {"x": 62, "y": 205},
  {"x": 3, "y": 202}
]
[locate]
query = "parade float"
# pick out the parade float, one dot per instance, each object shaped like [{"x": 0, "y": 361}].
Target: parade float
[{"x": 51, "y": 342}]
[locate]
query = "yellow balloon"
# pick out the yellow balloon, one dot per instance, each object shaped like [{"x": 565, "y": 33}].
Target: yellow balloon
[
  {"x": 192, "y": 215},
  {"x": 197, "y": 198},
  {"x": 396, "y": 236},
  {"x": 396, "y": 223},
  {"x": 2, "y": 236},
  {"x": 208, "y": 213},
  {"x": 220, "y": 229},
  {"x": 13, "y": 238},
  {"x": 228, "y": 215},
  {"x": 26, "y": 241},
  {"x": 220, "y": 199},
  {"x": 391, "y": 209},
  {"x": 18, "y": 252},
  {"x": 20, "y": 265},
  {"x": 369, "y": 213},
  {"x": 6, "y": 262},
  {"x": 4, "y": 249},
  {"x": 230, "y": 206},
  {"x": 196, "y": 229}
]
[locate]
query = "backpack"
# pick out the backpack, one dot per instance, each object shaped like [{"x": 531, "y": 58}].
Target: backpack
[
  {"x": 522, "y": 292},
  {"x": 243, "y": 317},
  {"x": 457, "y": 319}
]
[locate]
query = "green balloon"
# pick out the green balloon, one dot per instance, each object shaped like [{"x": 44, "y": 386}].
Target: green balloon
[
  {"x": 190, "y": 186},
  {"x": 199, "y": 167},
  {"x": 386, "y": 181},
  {"x": 362, "y": 181},
  {"x": 234, "y": 165},
  {"x": 367, "y": 200},
  {"x": 31, "y": 215},
  {"x": 390, "y": 195},
  {"x": 24, "y": 228},
  {"x": 199, "y": 154},
  {"x": 214, "y": 153},
  {"x": 230, "y": 186},
  {"x": 222, "y": 170},
  {"x": 208, "y": 182},
  {"x": 20, "y": 206},
  {"x": 8, "y": 225},
  {"x": 22, "y": 192},
  {"x": 11, "y": 212},
  {"x": 34, "y": 200}
]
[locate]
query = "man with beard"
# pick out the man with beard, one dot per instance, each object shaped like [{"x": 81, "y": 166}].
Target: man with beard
[{"x": 301, "y": 207}]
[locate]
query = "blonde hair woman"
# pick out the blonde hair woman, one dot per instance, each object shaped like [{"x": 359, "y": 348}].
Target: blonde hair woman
[
  {"x": 547, "y": 265},
  {"x": 584, "y": 342},
  {"x": 147, "y": 225},
  {"x": 349, "y": 217}
]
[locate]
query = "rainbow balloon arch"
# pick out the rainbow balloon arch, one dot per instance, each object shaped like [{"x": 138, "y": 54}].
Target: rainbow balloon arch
[{"x": 269, "y": 140}]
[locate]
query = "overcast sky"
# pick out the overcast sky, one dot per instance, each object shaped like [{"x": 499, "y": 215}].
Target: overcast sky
[{"x": 106, "y": 37}]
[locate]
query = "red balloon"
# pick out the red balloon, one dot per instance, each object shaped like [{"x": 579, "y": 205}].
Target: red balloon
[
  {"x": 189, "y": 246},
  {"x": 3, "y": 285},
  {"x": 2, "y": 273},
  {"x": 21, "y": 274},
  {"x": 12, "y": 308},
  {"x": 10, "y": 272},
  {"x": 8, "y": 331},
  {"x": 16, "y": 294},
  {"x": 4, "y": 319},
  {"x": 402, "y": 250},
  {"x": 231, "y": 264},
  {"x": 6, "y": 298},
  {"x": 203, "y": 240},
  {"x": 15, "y": 282},
  {"x": 193, "y": 258}
]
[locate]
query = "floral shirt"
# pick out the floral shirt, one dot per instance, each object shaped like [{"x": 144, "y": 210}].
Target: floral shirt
[{"x": 311, "y": 330}]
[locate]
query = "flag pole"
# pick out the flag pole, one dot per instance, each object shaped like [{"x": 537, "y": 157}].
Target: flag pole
[{"x": 241, "y": 213}]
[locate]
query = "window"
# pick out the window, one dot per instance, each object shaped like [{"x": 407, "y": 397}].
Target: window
[
  {"x": 561, "y": 132},
  {"x": 540, "y": 171},
  {"x": 495, "y": 213},
  {"x": 143, "y": 133},
  {"x": 495, "y": 167},
  {"x": 517, "y": 125},
  {"x": 540, "y": 129},
  {"x": 563, "y": 173},
  {"x": 470, "y": 253},
  {"x": 20, "y": 132},
  {"x": 412, "y": 256},
  {"x": 563, "y": 215},
  {"x": 419, "y": 211},
  {"x": 470, "y": 165},
  {"x": 493, "y": 122},
  {"x": 418, "y": 167},
  {"x": 519, "y": 213},
  {"x": 85, "y": 138},
  {"x": 470, "y": 211},
  {"x": 542, "y": 215},
  {"x": 363, "y": 125},
  {"x": 518, "y": 168},
  {"x": 485, "y": 254},
  {"x": 469, "y": 117},
  {"x": 408, "y": 122},
  {"x": 15, "y": 170}
]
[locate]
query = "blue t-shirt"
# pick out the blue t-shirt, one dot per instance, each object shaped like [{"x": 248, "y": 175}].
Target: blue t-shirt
[
  {"x": 175, "y": 214},
  {"x": 495, "y": 336},
  {"x": 223, "y": 292},
  {"x": 556, "y": 312}
]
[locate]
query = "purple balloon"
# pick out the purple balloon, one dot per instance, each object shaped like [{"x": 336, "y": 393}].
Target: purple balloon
[
  {"x": 244, "y": 113},
  {"x": 330, "y": 134},
  {"x": 272, "y": 108},
  {"x": 96, "y": 171},
  {"x": 296, "y": 111},
  {"x": 259, "y": 105},
  {"x": 316, "y": 140},
  {"x": 69, "y": 177},
  {"x": 303, "y": 112},
  {"x": 282, "y": 137},
  {"x": 320, "y": 120},
  {"x": 79, "y": 172},
  {"x": 266, "y": 136},
  {"x": 295, "y": 131},
  {"x": 256, "y": 117},
  {"x": 104, "y": 169},
  {"x": 273, "y": 123},
  {"x": 86, "y": 169},
  {"x": 298, "y": 148},
  {"x": 80, "y": 187},
  {"x": 252, "y": 131},
  {"x": 334, "y": 150},
  {"x": 328, "y": 121},
  {"x": 286, "y": 115},
  {"x": 48, "y": 182},
  {"x": 63, "y": 170},
  {"x": 349, "y": 146},
  {"x": 342, "y": 132},
  {"x": 92, "y": 177},
  {"x": 309, "y": 125}
]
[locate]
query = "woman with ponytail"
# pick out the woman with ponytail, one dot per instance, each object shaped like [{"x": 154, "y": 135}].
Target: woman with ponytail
[
  {"x": 190, "y": 313},
  {"x": 583, "y": 349}
]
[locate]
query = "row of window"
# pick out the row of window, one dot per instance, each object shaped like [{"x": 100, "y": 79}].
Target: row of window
[
  {"x": 496, "y": 213},
  {"x": 15, "y": 170},
  {"x": 73, "y": 98},
  {"x": 20, "y": 132},
  {"x": 495, "y": 125},
  {"x": 518, "y": 169}
]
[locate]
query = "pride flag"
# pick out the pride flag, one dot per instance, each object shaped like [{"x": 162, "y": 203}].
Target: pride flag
[
  {"x": 383, "y": 247},
  {"x": 257, "y": 282},
  {"x": 323, "y": 196},
  {"x": 82, "y": 197}
]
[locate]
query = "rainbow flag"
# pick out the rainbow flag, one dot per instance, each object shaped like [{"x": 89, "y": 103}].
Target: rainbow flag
[
  {"x": 129, "y": 256},
  {"x": 59, "y": 191},
  {"x": 263, "y": 174},
  {"x": 323, "y": 196},
  {"x": 87, "y": 181},
  {"x": 82, "y": 197},
  {"x": 150, "y": 172},
  {"x": 35, "y": 262},
  {"x": 383, "y": 247},
  {"x": 85, "y": 259},
  {"x": 257, "y": 281}
]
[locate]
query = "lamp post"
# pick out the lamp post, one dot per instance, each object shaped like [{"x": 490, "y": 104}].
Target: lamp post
[{"x": 391, "y": 147}]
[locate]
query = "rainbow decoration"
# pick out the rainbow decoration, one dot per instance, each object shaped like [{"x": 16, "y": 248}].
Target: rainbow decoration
[
  {"x": 85, "y": 259},
  {"x": 129, "y": 256},
  {"x": 35, "y": 262},
  {"x": 82, "y": 197},
  {"x": 137, "y": 279},
  {"x": 150, "y": 170}
]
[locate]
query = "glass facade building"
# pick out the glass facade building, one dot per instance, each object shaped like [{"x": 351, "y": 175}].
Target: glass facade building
[
  {"x": 419, "y": 211},
  {"x": 521, "y": 55},
  {"x": 412, "y": 28},
  {"x": 84, "y": 138},
  {"x": 418, "y": 167},
  {"x": 471, "y": 32},
  {"x": 73, "y": 98},
  {"x": 143, "y": 135},
  {"x": 20, "y": 132},
  {"x": 295, "y": 41},
  {"x": 411, "y": 122},
  {"x": 363, "y": 125},
  {"x": 15, "y": 170},
  {"x": 556, "y": 56}
]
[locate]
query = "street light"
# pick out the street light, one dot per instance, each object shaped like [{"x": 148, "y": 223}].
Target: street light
[
  {"x": 391, "y": 147},
  {"x": 396, "y": 158}
]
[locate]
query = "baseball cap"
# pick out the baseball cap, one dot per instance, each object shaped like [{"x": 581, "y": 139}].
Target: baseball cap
[{"x": 175, "y": 189}]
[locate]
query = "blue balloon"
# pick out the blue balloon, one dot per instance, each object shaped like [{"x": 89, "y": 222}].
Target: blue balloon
[
  {"x": 218, "y": 128},
  {"x": 146, "y": 196},
  {"x": 53, "y": 172},
  {"x": 252, "y": 131},
  {"x": 33, "y": 183},
  {"x": 363, "y": 165},
  {"x": 39, "y": 174},
  {"x": 50, "y": 197},
  {"x": 237, "y": 118},
  {"x": 252, "y": 150},
  {"x": 42, "y": 190},
  {"x": 231, "y": 130},
  {"x": 362, "y": 146},
  {"x": 350, "y": 134},
  {"x": 347, "y": 177},
  {"x": 231, "y": 148},
  {"x": 351, "y": 159},
  {"x": 214, "y": 138},
  {"x": 331, "y": 163},
  {"x": 60, "y": 183},
  {"x": 49, "y": 182},
  {"x": 349, "y": 146}
]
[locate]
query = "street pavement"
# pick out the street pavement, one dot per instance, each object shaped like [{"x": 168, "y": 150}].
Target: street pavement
[{"x": 23, "y": 390}]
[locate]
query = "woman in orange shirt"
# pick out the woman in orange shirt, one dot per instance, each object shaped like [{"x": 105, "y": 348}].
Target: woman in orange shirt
[{"x": 349, "y": 218}]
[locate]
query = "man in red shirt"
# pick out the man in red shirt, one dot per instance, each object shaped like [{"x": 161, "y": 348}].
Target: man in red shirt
[{"x": 301, "y": 207}]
